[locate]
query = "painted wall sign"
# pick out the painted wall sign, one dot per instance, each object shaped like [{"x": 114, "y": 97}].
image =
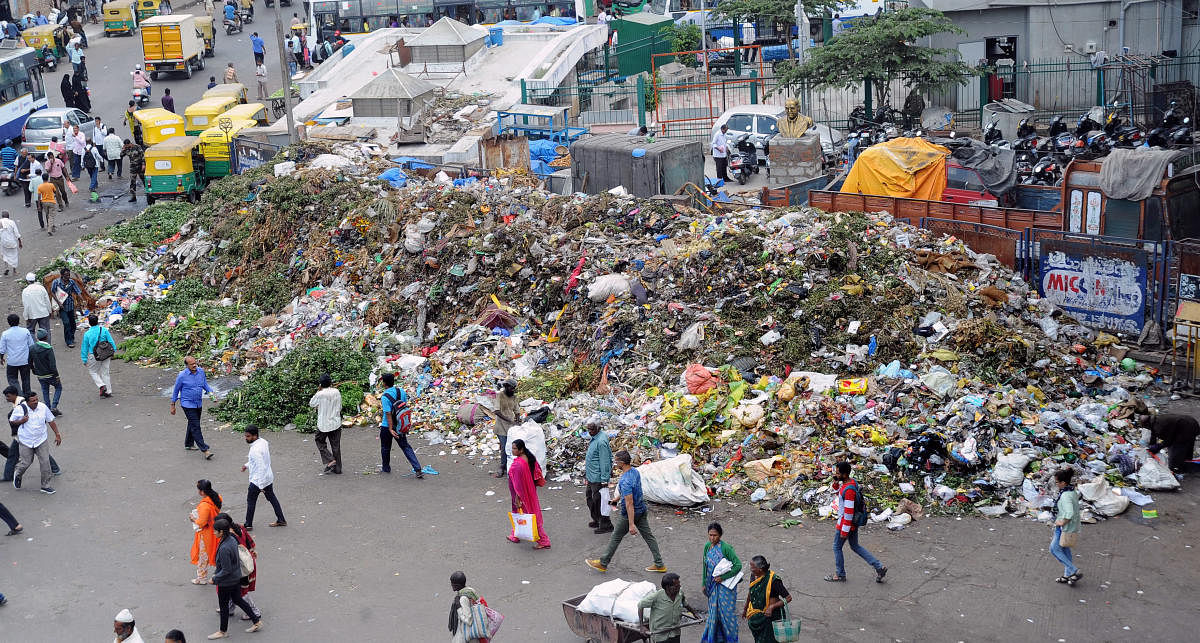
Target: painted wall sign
[{"x": 1104, "y": 287}]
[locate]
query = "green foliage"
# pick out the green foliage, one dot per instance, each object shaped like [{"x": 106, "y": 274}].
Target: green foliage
[
  {"x": 685, "y": 37},
  {"x": 202, "y": 331},
  {"x": 85, "y": 273},
  {"x": 777, "y": 12},
  {"x": 181, "y": 299},
  {"x": 267, "y": 290},
  {"x": 279, "y": 394},
  {"x": 881, "y": 50},
  {"x": 650, "y": 94},
  {"x": 152, "y": 226}
]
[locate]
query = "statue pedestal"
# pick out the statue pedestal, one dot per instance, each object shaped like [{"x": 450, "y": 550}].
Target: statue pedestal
[{"x": 795, "y": 159}]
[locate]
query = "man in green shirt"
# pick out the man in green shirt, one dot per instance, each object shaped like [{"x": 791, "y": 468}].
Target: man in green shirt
[{"x": 666, "y": 610}]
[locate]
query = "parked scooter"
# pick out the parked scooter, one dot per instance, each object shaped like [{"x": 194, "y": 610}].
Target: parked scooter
[
  {"x": 991, "y": 133},
  {"x": 1047, "y": 171},
  {"x": 744, "y": 160}
]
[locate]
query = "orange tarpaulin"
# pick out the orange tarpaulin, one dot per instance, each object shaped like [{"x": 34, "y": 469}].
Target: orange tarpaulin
[{"x": 911, "y": 168}]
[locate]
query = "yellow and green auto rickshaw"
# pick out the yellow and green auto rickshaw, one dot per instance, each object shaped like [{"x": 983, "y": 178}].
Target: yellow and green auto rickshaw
[
  {"x": 48, "y": 42},
  {"x": 156, "y": 125},
  {"x": 236, "y": 90},
  {"x": 215, "y": 145},
  {"x": 150, "y": 8},
  {"x": 119, "y": 17},
  {"x": 175, "y": 170},
  {"x": 256, "y": 112},
  {"x": 204, "y": 24},
  {"x": 203, "y": 113}
]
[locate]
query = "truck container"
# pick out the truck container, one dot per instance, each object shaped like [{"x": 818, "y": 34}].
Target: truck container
[{"x": 171, "y": 43}]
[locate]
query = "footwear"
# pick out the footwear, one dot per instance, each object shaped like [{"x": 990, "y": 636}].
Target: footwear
[
  {"x": 1074, "y": 578},
  {"x": 834, "y": 578},
  {"x": 603, "y": 530},
  {"x": 498, "y": 474},
  {"x": 658, "y": 569},
  {"x": 208, "y": 455},
  {"x": 385, "y": 470},
  {"x": 880, "y": 573},
  {"x": 593, "y": 524},
  {"x": 133, "y": 199},
  {"x": 15, "y": 530},
  {"x": 278, "y": 523},
  {"x": 56, "y": 413},
  {"x": 329, "y": 468},
  {"x": 17, "y": 481},
  {"x": 48, "y": 490},
  {"x": 217, "y": 635},
  {"x": 1061, "y": 579},
  {"x": 247, "y": 527},
  {"x": 541, "y": 546},
  {"x": 201, "y": 581},
  {"x": 191, "y": 448},
  {"x": 594, "y": 563},
  {"x": 256, "y": 627},
  {"x": 103, "y": 392}
]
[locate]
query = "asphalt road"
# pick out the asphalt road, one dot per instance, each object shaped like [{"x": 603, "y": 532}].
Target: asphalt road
[{"x": 367, "y": 556}]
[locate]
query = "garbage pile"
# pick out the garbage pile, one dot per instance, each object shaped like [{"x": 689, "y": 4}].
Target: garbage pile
[{"x": 764, "y": 344}]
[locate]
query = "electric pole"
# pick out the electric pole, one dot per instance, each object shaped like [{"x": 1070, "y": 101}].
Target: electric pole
[{"x": 287, "y": 78}]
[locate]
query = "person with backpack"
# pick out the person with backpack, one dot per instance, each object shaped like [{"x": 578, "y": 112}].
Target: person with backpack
[
  {"x": 45, "y": 368},
  {"x": 228, "y": 579},
  {"x": 12, "y": 452},
  {"x": 96, "y": 351},
  {"x": 850, "y": 512},
  {"x": 92, "y": 162},
  {"x": 394, "y": 425}
]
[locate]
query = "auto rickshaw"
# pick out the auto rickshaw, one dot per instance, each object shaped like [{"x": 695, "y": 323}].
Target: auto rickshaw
[
  {"x": 119, "y": 17},
  {"x": 52, "y": 37},
  {"x": 256, "y": 112},
  {"x": 214, "y": 145},
  {"x": 204, "y": 24},
  {"x": 149, "y": 8},
  {"x": 174, "y": 170},
  {"x": 156, "y": 125},
  {"x": 203, "y": 113},
  {"x": 236, "y": 90}
]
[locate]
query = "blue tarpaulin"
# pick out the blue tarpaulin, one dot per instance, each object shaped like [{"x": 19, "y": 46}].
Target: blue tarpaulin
[
  {"x": 412, "y": 163},
  {"x": 395, "y": 176},
  {"x": 540, "y": 168},
  {"x": 542, "y": 150}
]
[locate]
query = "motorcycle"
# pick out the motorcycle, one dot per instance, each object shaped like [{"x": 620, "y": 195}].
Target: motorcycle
[
  {"x": 1085, "y": 124},
  {"x": 141, "y": 96},
  {"x": 744, "y": 160},
  {"x": 247, "y": 16},
  {"x": 1161, "y": 135},
  {"x": 1047, "y": 171},
  {"x": 1120, "y": 134},
  {"x": 232, "y": 27},
  {"x": 49, "y": 61},
  {"x": 992, "y": 134},
  {"x": 1181, "y": 136}
]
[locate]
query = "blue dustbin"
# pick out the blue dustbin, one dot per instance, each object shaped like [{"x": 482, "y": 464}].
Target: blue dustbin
[{"x": 495, "y": 36}]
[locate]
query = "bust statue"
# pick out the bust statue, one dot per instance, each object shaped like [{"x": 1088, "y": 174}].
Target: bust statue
[{"x": 794, "y": 124}]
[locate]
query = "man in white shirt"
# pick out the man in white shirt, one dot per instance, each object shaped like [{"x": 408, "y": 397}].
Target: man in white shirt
[
  {"x": 328, "y": 402},
  {"x": 720, "y": 152},
  {"x": 124, "y": 629},
  {"x": 77, "y": 142},
  {"x": 32, "y": 419},
  {"x": 37, "y": 305},
  {"x": 260, "y": 75},
  {"x": 262, "y": 479}
]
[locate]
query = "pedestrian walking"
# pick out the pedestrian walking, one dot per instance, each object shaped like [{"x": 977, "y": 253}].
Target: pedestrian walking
[
  {"x": 76, "y": 142},
  {"x": 212, "y": 82},
  {"x": 42, "y": 196},
  {"x": 12, "y": 452},
  {"x": 125, "y": 629},
  {"x": 291, "y": 44},
  {"x": 844, "y": 529},
  {"x": 36, "y": 304},
  {"x": 190, "y": 386},
  {"x": 328, "y": 402},
  {"x": 99, "y": 131},
  {"x": 45, "y": 368},
  {"x": 137, "y": 167},
  {"x": 230, "y": 74},
  {"x": 598, "y": 472},
  {"x": 64, "y": 290},
  {"x": 462, "y": 617},
  {"x": 68, "y": 91},
  {"x": 32, "y": 419},
  {"x": 1066, "y": 526},
  {"x": 56, "y": 171},
  {"x": 507, "y": 412},
  {"x": 666, "y": 610},
  {"x": 524, "y": 477},
  {"x": 168, "y": 101},
  {"x": 258, "y": 47},
  {"x": 83, "y": 99},
  {"x": 250, "y": 582},
  {"x": 394, "y": 425},
  {"x": 721, "y": 564},
  {"x": 262, "y": 478},
  {"x": 228, "y": 578},
  {"x": 633, "y": 518},
  {"x": 96, "y": 351},
  {"x": 14, "y": 527},
  {"x": 260, "y": 75},
  {"x": 720, "y": 152},
  {"x": 14, "y": 353},
  {"x": 112, "y": 152},
  {"x": 10, "y": 242},
  {"x": 23, "y": 170},
  {"x": 93, "y": 162},
  {"x": 765, "y": 599},
  {"x": 204, "y": 540}
]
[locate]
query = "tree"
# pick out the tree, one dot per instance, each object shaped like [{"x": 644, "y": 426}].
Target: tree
[
  {"x": 880, "y": 50},
  {"x": 775, "y": 12},
  {"x": 685, "y": 37}
]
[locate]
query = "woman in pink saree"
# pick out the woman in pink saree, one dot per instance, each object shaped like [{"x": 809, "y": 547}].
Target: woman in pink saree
[{"x": 524, "y": 477}]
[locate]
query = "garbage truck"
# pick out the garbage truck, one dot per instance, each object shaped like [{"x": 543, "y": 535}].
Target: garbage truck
[{"x": 170, "y": 44}]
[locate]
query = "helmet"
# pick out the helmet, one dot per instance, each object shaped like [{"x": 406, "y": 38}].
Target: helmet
[{"x": 137, "y": 67}]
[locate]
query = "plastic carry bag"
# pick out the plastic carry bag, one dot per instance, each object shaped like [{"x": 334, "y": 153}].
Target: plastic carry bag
[
  {"x": 1154, "y": 474},
  {"x": 1106, "y": 501},
  {"x": 605, "y": 499},
  {"x": 524, "y": 526},
  {"x": 672, "y": 482}
]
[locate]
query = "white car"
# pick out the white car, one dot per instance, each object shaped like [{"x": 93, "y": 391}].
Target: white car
[{"x": 762, "y": 122}]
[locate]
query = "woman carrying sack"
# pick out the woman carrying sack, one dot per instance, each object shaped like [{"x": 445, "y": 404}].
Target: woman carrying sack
[{"x": 1066, "y": 526}]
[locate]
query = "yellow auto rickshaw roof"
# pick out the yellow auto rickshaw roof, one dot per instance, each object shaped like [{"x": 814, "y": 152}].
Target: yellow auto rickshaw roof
[
  {"x": 210, "y": 103},
  {"x": 149, "y": 3},
  {"x": 216, "y": 134},
  {"x": 226, "y": 89},
  {"x": 117, "y": 4},
  {"x": 157, "y": 116},
  {"x": 41, "y": 30},
  {"x": 246, "y": 110},
  {"x": 173, "y": 146}
]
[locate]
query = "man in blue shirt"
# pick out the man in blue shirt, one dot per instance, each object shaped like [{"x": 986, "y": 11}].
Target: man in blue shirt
[
  {"x": 598, "y": 471},
  {"x": 14, "y": 353},
  {"x": 395, "y": 407},
  {"x": 629, "y": 490},
  {"x": 190, "y": 386},
  {"x": 256, "y": 45},
  {"x": 64, "y": 289}
]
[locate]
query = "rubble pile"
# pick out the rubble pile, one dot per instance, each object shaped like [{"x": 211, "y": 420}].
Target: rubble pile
[{"x": 766, "y": 344}]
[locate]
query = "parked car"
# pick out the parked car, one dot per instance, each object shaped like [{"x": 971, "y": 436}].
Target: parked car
[
  {"x": 762, "y": 122},
  {"x": 45, "y": 123}
]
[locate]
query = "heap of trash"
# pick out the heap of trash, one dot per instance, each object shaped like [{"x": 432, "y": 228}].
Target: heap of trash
[{"x": 748, "y": 351}]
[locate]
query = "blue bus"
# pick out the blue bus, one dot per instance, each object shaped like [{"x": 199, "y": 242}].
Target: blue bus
[{"x": 22, "y": 89}]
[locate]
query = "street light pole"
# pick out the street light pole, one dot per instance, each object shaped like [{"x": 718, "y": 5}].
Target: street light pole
[{"x": 287, "y": 78}]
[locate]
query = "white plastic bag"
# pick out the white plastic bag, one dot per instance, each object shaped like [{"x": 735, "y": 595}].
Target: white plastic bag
[
  {"x": 671, "y": 481},
  {"x": 691, "y": 338},
  {"x": 1106, "y": 501},
  {"x": 1154, "y": 474},
  {"x": 616, "y": 598},
  {"x": 605, "y": 499},
  {"x": 535, "y": 440},
  {"x": 1010, "y": 469},
  {"x": 604, "y": 286}
]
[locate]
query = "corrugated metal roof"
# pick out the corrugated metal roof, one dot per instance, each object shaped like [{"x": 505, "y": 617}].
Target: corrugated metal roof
[{"x": 394, "y": 83}]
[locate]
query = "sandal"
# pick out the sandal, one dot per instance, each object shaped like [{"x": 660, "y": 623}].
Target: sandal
[
  {"x": 1074, "y": 578},
  {"x": 541, "y": 546},
  {"x": 1061, "y": 579},
  {"x": 832, "y": 578},
  {"x": 199, "y": 581}
]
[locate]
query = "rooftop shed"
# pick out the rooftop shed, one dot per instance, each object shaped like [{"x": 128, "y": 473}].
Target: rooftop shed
[
  {"x": 446, "y": 41},
  {"x": 390, "y": 94}
]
